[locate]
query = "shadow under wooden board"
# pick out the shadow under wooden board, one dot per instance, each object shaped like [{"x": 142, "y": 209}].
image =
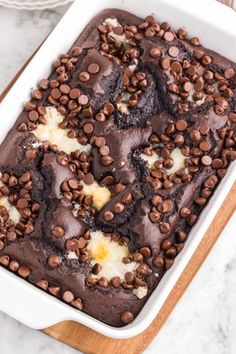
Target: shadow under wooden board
[{"x": 91, "y": 342}]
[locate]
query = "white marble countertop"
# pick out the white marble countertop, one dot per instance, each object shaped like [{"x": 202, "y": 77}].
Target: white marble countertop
[{"x": 204, "y": 321}]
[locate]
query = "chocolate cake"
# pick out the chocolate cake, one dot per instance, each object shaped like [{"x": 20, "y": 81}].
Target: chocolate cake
[{"x": 111, "y": 161}]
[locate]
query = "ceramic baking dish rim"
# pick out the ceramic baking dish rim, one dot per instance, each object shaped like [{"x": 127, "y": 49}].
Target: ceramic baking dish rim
[{"x": 38, "y": 309}]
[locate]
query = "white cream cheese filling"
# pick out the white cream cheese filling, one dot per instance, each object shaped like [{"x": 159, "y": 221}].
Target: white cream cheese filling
[
  {"x": 176, "y": 155},
  {"x": 14, "y": 214},
  {"x": 101, "y": 195},
  {"x": 57, "y": 136},
  {"x": 72, "y": 255},
  {"x": 109, "y": 254},
  {"x": 113, "y": 22},
  {"x": 140, "y": 292}
]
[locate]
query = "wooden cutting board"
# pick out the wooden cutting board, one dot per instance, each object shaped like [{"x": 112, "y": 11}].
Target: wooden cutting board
[{"x": 91, "y": 342}]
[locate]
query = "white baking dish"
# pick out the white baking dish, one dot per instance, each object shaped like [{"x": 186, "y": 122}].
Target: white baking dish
[{"x": 215, "y": 24}]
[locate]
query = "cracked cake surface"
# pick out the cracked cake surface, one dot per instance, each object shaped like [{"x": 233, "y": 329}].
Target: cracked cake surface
[{"x": 111, "y": 162}]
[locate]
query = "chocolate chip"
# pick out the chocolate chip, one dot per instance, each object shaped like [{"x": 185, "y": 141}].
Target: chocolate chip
[
  {"x": 106, "y": 160},
  {"x": 4, "y": 260},
  {"x": 76, "y": 51},
  {"x": 217, "y": 163},
  {"x": 181, "y": 236},
  {"x": 150, "y": 32},
  {"x": 77, "y": 304},
  {"x": 100, "y": 117},
  {"x": 88, "y": 128},
  {"x": 54, "y": 290},
  {"x": 165, "y": 206},
  {"x": 195, "y": 41},
  {"x": 165, "y": 64},
  {"x": 89, "y": 178},
  {"x": 54, "y": 261},
  {"x": 107, "y": 181},
  {"x": 118, "y": 208},
  {"x": 156, "y": 200},
  {"x": 155, "y": 53},
  {"x": 14, "y": 266},
  {"x": 74, "y": 93},
  {"x": 168, "y": 263},
  {"x": 199, "y": 85},
  {"x": 108, "y": 215},
  {"x": 71, "y": 245},
  {"x": 206, "y": 160},
  {"x": 206, "y": 60},
  {"x": 154, "y": 216},
  {"x": 232, "y": 117},
  {"x": 229, "y": 73},
  {"x": 62, "y": 160},
  {"x": 65, "y": 89},
  {"x": 22, "y": 203},
  {"x": 143, "y": 269},
  {"x": 68, "y": 296},
  {"x": 102, "y": 28},
  {"x": 184, "y": 212},
  {"x": 118, "y": 30},
  {"x": 195, "y": 135},
  {"x": 29, "y": 229},
  {"x": 182, "y": 33},
  {"x": 104, "y": 150},
  {"x": 173, "y": 51},
  {"x": 129, "y": 277},
  {"x": 169, "y": 36},
  {"x": 81, "y": 243},
  {"x": 176, "y": 67},
  {"x": 33, "y": 116},
  {"x": 37, "y": 94},
  {"x": 56, "y": 93},
  {"x": 93, "y": 68},
  {"x": 44, "y": 84},
  {"x": 108, "y": 108},
  {"x": 158, "y": 261},
  {"x": 23, "y": 271},
  {"x": 165, "y": 245},
  {"x": 96, "y": 268},
  {"x": 103, "y": 282},
  {"x": 116, "y": 281},
  {"x": 43, "y": 284},
  {"x": 171, "y": 252},
  {"x": 58, "y": 231},
  {"x": 181, "y": 124},
  {"x": 13, "y": 181},
  {"x": 165, "y": 227},
  {"x": 179, "y": 139},
  {"x": 188, "y": 86},
  {"x": 205, "y": 146},
  {"x": 29, "y": 106},
  {"x": 83, "y": 100},
  {"x": 145, "y": 251},
  {"x": 126, "y": 198},
  {"x": 200, "y": 201},
  {"x": 191, "y": 219},
  {"x": 101, "y": 141},
  {"x": 73, "y": 183},
  {"x": 198, "y": 53},
  {"x": 84, "y": 76},
  {"x": 137, "y": 257}
]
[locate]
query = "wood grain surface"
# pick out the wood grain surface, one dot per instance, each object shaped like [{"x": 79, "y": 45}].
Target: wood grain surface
[{"x": 91, "y": 342}]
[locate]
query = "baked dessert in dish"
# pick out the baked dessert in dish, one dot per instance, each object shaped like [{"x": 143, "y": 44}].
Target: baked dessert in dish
[{"x": 111, "y": 161}]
